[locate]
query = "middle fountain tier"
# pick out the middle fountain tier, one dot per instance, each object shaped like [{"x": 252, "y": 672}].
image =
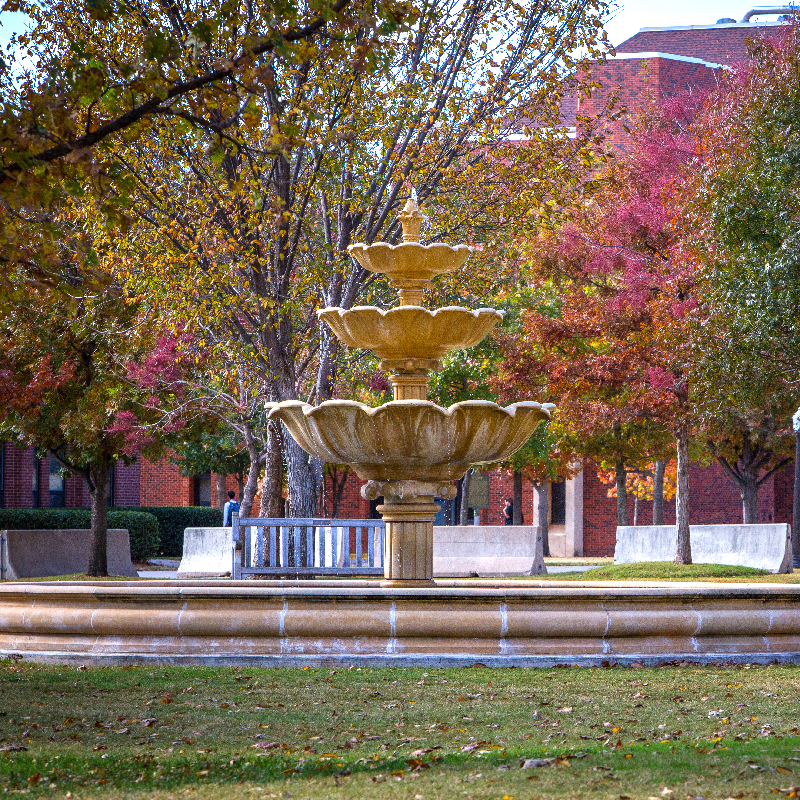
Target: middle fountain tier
[{"x": 410, "y": 450}]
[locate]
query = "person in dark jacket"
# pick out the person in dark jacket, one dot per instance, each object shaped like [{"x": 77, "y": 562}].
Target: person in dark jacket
[
  {"x": 508, "y": 512},
  {"x": 231, "y": 508}
]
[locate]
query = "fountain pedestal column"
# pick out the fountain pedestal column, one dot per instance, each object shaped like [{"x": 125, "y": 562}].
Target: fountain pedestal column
[{"x": 408, "y": 512}]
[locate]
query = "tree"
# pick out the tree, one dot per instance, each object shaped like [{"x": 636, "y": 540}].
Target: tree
[
  {"x": 740, "y": 219},
  {"x": 739, "y": 228},
  {"x": 214, "y": 396},
  {"x": 244, "y": 232},
  {"x": 90, "y": 73},
  {"x": 63, "y": 390},
  {"x": 611, "y": 346}
]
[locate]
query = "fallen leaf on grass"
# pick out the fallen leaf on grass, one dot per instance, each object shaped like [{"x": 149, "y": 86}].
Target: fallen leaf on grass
[
  {"x": 267, "y": 745},
  {"x": 12, "y": 748},
  {"x": 425, "y": 750},
  {"x": 528, "y": 763},
  {"x": 783, "y": 770},
  {"x": 469, "y": 748},
  {"x": 791, "y": 791},
  {"x": 99, "y": 747},
  {"x": 149, "y": 722}
]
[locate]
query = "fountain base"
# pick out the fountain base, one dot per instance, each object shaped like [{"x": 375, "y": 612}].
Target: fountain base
[{"x": 408, "y": 512}]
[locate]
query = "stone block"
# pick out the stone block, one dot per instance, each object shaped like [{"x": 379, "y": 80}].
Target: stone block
[
  {"x": 487, "y": 550},
  {"x": 207, "y": 553},
  {"x": 43, "y": 553},
  {"x": 766, "y": 547}
]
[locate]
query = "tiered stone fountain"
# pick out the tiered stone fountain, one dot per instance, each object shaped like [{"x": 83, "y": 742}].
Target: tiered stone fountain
[{"x": 410, "y": 450}]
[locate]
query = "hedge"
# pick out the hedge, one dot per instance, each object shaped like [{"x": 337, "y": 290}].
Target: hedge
[
  {"x": 173, "y": 519},
  {"x": 142, "y": 527}
]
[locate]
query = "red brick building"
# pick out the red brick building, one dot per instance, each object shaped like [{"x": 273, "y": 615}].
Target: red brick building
[
  {"x": 654, "y": 64},
  {"x": 28, "y": 480}
]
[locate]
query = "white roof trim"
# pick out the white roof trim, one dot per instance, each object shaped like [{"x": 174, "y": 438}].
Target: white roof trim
[
  {"x": 670, "y": 56},
  {"x": 707, "y": 27}
]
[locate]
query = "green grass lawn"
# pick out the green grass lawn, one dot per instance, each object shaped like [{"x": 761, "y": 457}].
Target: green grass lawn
[
  {"x": 667, "y": 571},
  {"x": 167, "y": 732}
]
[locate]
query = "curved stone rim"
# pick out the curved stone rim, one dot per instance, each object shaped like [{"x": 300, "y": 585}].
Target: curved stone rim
[
  {"x": 362, "y": 246},
  {"x": 423, "y": 267},
  {"x": 387, "y": 312},
  {"x": 447, "y": 411},
  {"x": 366, "y": 438},
  {"x": 410, "y": 331}
]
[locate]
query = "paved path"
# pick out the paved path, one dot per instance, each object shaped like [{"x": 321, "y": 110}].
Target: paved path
[
  {"x": 159, "y": 574},
  {"x": 572, "y": 568}
]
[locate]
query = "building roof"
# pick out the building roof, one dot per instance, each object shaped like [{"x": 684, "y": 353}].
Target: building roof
[{"x": 720, "y": 44}]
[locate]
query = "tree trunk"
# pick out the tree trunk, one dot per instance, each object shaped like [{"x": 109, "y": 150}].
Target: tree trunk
[
  {"x": 518, "y": 516},
  {"x": 749, "y": 492},
  {"x": 683, "y": 549},
  {"x": 98, "y": 491},
  {"x": 251, "y": 486},
  {"x": 222, "y": 495},
  {"x": 463, "y": 515},
  {"x": 302, "y": 492},
  {"x": 272, "y": 485},
  {"x": 658, "y": 492},
  {"x": 622, "y": 493},
  {"x": 540, "y": 488},
  {"x": 300, "y": 475}
]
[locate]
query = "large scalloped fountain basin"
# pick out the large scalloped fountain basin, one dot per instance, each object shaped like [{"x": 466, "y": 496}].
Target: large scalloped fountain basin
[
  {"x": 410, "y": 260},
  {"x": 410, "y": 331},
  {"x": 410, "y": 439}
]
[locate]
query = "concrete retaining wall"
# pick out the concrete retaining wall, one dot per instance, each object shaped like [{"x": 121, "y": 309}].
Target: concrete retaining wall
[
  {"x": 498, "y": 623},
  {"x": 42, "y": 553},
  {"x": 766, "y": 547},
  {"x": 458, "y": 551},
  {"x": 487, "y": 550},
  {"x": 207, "y": 553}
]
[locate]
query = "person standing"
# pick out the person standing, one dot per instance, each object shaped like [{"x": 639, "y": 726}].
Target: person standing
[
  {"x": 508, "y": 512},
  {"x": 231, "y": 508}
]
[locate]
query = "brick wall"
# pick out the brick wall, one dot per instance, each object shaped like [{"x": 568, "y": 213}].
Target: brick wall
[
  {"x": 637, "y": 83},
  {"x": 127, "y": 484},
  {"x": 784, "y": 493},
  {"x": 18, "y": 478},
  {"x": 163, "y": 485}
]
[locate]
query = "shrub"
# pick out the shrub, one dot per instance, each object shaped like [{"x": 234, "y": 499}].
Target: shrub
[
  {"x": 173, "y": 519},
  {"x": 142, "y": 527}
]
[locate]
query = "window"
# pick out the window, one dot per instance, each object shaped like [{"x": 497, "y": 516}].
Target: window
[
  {"x": 558, "y": 503},
  {"x": 56, "y": 484},
  {"x": 35, "y": 479},
  {"x": 2, "y": 475},
  {"x": 202, "y": 489}
]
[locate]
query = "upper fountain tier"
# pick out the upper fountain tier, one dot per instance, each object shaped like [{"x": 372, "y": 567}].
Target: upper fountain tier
[
  {"x": 410, "y": 266},
  {"x": 410, "y": 340},
  {"x": 410, "y": 332}
]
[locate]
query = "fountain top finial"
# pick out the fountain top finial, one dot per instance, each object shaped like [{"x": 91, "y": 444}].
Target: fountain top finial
[{"x": 411, "y": 219}]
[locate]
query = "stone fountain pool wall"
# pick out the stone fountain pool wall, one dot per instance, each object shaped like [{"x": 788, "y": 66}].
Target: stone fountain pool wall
[{"x": 502, "y": 623}]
